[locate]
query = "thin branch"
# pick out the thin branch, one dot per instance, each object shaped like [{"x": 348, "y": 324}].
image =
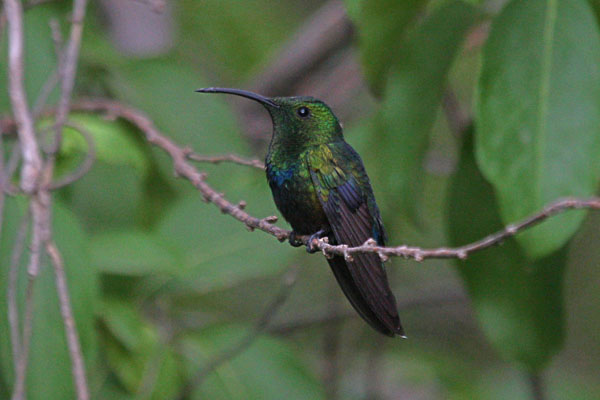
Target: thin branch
[
  {"x": 184, "y": 169},
  {"x": 39, "y": 216},
  {"x": 67, "y": 69},
  {"x": 260, "y": 326},
  {"x": 180, "y": 163},
  {"x": 42, "y": 98},
  {"x": 231, "y": 158},
  {"x": 78, "y": 367},
  {"x": 32, "y": 161},
  {"x": 87, "y": 163},
  {"x": 462, "y": 252}
]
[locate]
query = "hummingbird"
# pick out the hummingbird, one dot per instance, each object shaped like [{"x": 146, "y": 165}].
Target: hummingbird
[{"x": 321, "y": 188}]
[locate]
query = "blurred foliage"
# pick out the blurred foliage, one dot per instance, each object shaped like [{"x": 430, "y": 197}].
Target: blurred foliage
[{"x": 162, "y": 282}]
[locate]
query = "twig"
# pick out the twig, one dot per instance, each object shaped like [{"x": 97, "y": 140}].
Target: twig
[
  {"x": 42, "y": 98},
  {"x": 462, "y": 252},
  {"x": 32, "y": 161},
  {"x": 87, "y": 163},
  {"x": 54, "y": 78},
  {"x": 67, "y": 69},
  {"x": 261, "y": 324},
  {"x": 232, "y": 158},
  {"x": 32, "y": 164},
  {"x": 78, "y": 368},
  {"x": 37, "y": 212},
  {"x": 184, "y": 169},
  {"x": 180, "y": 163}
]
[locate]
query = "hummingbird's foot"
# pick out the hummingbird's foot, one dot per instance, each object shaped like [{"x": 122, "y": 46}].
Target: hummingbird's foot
[
  {"x": 310, "y": 247},
  {"x": 294, "y": 241}
]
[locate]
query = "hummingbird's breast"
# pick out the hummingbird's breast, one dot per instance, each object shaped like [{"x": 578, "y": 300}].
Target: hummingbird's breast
[{"x": 295, "y": 196}]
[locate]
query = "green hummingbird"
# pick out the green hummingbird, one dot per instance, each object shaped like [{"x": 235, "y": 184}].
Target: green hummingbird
[{"x": 320, "y": 186}]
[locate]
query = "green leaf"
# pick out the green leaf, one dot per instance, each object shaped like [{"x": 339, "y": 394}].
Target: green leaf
[
  {"x": 131, "y": 253},
  {"x": 264, "y": 370},
  {"x": 115, "y": 143},
  {"x": 519, "y": 303},
  {"x": 412, "y": 97},
  {"x": 381, "y": 27},
  {"x": 137, "y": 355},
  {"x": 538, "y": 113},
  {"x": 49, "y": 371}
]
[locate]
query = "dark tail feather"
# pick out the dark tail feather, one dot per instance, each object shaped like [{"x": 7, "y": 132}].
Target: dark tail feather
[{"x": 380, "y": 323}]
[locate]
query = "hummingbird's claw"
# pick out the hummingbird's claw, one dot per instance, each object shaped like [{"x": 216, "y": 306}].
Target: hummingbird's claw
[
  {"x": 294, "y": 241},
  {"x": 310, "y": 247}
]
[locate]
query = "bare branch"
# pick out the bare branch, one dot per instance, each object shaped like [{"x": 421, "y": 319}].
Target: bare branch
[
  {"x": 261, "y": 324},
  {"x": 180, "y": 163},
  {"x": 232, "y": 158},
  {"x": 187, "y": 171},
  {"x": 37, "y": 209},
  {"x": 68, "y": 67},
  {"x": 462, "y": 252},
  {"x": 32, "y": 161},
  {"x": 78, "y": 367}
]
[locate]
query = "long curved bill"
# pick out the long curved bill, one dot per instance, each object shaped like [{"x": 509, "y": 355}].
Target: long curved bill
[{"x": 239, "y": 92}]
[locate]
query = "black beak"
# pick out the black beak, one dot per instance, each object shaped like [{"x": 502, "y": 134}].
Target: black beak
[{"x": 238, "y": 92}]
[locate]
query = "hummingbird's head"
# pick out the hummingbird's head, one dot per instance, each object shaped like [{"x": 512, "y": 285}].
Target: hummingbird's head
[{"x": 298, "y": 122}]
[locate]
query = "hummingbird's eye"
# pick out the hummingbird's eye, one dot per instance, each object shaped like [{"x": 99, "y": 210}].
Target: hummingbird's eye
[{"x": 303, "y": 112}]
